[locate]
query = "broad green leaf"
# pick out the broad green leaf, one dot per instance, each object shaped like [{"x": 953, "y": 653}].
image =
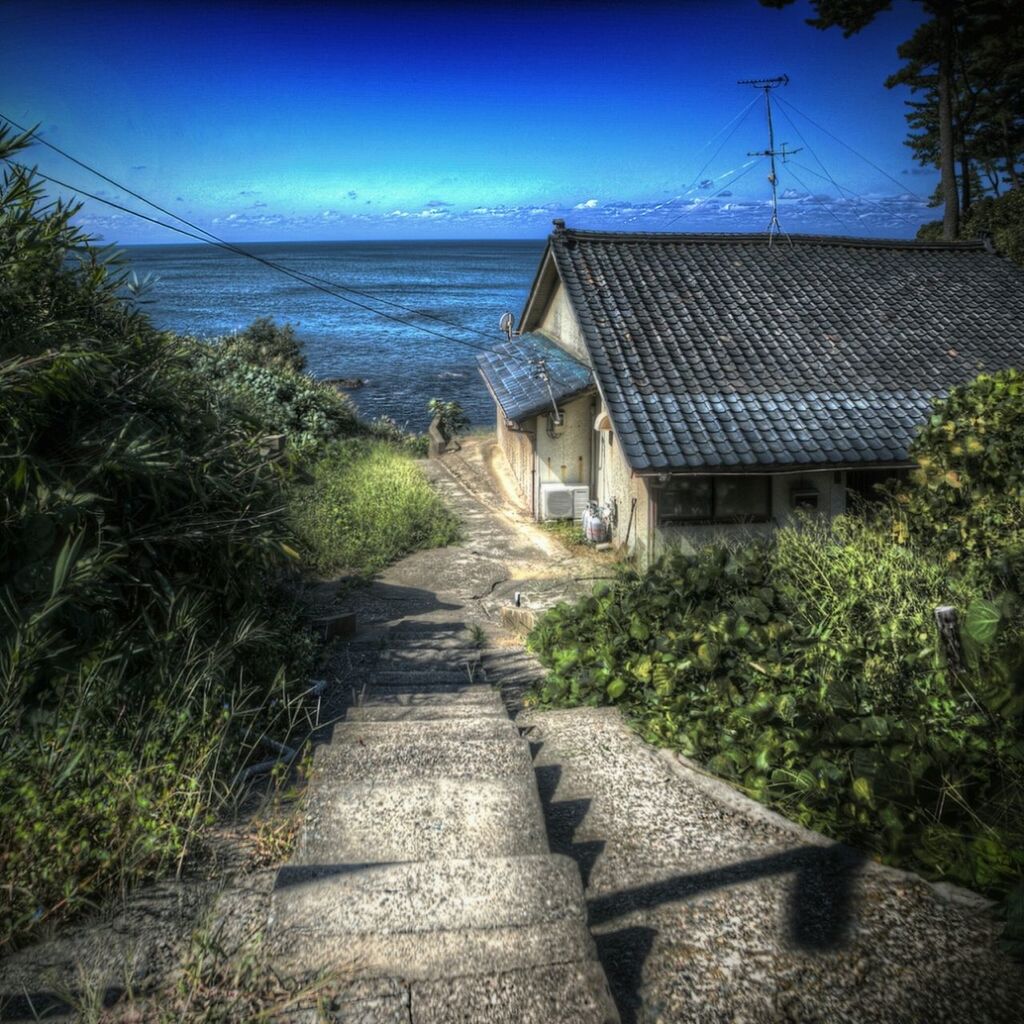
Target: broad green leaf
[
  {"x": 862, "y": 789},
  {"x": 982, "y": 621}
]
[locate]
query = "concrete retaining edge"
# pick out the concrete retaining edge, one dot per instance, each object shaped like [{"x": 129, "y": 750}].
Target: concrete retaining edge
[{"x": 724, "y": 793}]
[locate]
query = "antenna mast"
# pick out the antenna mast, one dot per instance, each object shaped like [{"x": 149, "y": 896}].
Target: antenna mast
[{"x": 767, "y": 84}]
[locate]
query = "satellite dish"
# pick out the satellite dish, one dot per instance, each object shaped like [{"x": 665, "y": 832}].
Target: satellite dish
[{"x": 505, "y": 324}]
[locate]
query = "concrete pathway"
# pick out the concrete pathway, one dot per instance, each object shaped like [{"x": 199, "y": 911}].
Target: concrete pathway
[
  {"x": 423, "y": 870},
  {"x": 426, "y": 855}
]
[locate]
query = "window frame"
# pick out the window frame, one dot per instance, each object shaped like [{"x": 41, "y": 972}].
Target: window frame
[{"x": 716, "y": 519}]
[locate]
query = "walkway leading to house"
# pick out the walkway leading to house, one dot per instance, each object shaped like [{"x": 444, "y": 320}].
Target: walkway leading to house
[
  {"x": 423, "y": 872},
  {"x": 429, "y": 862}
]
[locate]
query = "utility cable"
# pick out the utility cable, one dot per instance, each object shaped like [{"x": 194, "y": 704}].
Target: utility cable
[
  {"x": 856, "y": 195},
  {"x": 736, "y": 121},
  {"x": 881, "y": 170},
  {"x": 297, "y": 276},
  {"x": 230, "y": 246},
  {"x": 747, "y": 168},
  {"x": 827, "y": 176},
  {"x": 814, "y": 199}
]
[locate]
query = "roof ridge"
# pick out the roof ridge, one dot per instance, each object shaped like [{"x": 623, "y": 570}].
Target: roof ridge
[{"x": 710, "y": 237}]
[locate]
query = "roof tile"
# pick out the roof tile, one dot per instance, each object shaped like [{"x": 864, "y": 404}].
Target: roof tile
[{"x": 717, "y": 351}]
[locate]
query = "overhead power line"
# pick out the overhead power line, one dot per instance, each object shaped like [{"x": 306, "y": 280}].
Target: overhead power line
[
  {"x": 857, "y": 195},
  {"x": 297, "y": 276},
  {"x": 814, "y": 199},
  {"x": 223, "y": 243},
  {"x": 746, "y": 169},
  {"x": 734, "y": 123},
  {"x": 881, "y": 170}
]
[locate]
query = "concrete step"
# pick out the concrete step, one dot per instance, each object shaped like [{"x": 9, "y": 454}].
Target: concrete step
[
  {"x": 440, "y": 662},
  {"x": 422, "y": 712},
  {"x": 393, "y": 758},
  {"x": 561, "y": 993},
  {"x": 397, "y": 703},
  {"x": 407, "y": 676},
  {"x": 431, "y": 919},
  {"x": 412, "y": 694},
  {"x": 445, "y": 728},
  {"x": 422, "y": 819}
]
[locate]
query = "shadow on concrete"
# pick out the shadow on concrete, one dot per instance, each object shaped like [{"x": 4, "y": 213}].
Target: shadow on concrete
[
  {"x": 820, "y": 914},
  {"x": 290, "y": 875},
  {"x": 623, "y": 954},
  {"x": 821, "y": 911},
  {"x": 563, "y": 817}
]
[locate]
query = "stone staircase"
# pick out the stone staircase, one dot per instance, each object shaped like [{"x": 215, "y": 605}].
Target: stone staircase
[{"x": 423, "y": 868}]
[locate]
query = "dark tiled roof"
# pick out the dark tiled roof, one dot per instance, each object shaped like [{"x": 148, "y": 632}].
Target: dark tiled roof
[
  {"x": 512, "y": 373},
  {"x": 718, "y": 351}
]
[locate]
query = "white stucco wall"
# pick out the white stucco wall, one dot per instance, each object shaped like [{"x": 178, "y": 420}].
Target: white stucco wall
[
  {"x": 566, "y": 457},
  {"x": 517, "y": 447},
  {"x": 560, "y": 324},
  {"x": 616, "y": 484}
]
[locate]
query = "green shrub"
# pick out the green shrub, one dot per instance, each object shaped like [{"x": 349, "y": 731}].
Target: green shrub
[
  {"x": 369, "y": 504},
  {"x": 143, "y": 648},
  {"x": 273, "y": 399},
  {"x": 264, "y": 343},
  {"x": 966, "y": 499},
  {"x": 807, "y": 670},
  {"x": 451, "y": 417}
]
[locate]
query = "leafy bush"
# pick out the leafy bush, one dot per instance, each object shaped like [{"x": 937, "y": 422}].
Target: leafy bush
[
  {"x": 142, "y": 650},
  {"x": 966, "y": 499},
  {"x": 999, "y": 217},
  {"x": 451, "y": 417},
  {"x": 264, "y": 343},
  {"x": 1002, "y": 218},
  {"x": 273, "y": 399},
  {"x": 807, "y": 670},
  {"x": 369, "y": 504}
]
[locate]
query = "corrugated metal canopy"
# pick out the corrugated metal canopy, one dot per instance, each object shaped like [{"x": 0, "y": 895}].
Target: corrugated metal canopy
[{"x": 513, "y": 372}]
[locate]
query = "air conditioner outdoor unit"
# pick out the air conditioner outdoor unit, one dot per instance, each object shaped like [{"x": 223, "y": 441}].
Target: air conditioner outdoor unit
[{"x": 563, "y": 501}]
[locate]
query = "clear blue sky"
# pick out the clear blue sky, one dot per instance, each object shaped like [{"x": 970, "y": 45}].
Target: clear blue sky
[{"x": 310, "y": 121}]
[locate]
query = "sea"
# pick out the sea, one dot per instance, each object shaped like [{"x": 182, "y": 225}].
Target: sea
[{"x": 208, "y": 293}]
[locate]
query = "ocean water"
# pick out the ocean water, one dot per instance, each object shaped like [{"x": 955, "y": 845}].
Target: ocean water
[{"x": 207, "y": 292}]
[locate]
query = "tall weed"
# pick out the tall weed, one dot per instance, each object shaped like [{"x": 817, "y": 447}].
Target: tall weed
[{"x": 368, "y": 505}]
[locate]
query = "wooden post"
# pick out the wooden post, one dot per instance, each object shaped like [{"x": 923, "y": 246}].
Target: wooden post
[{"x": 949, "y": 637}]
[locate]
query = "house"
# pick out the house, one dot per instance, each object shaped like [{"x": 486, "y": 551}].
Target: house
[{"x": 700, "y": 384}]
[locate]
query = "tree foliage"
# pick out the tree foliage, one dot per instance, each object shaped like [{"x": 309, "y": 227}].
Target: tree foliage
[
  {"x": 966, "y": 500},
  {"x": 140, "y": 528},
  {"x": 450, "y": 416},
  {"x": 265, "y": 343},
  {"x": 965, "y": 68}
]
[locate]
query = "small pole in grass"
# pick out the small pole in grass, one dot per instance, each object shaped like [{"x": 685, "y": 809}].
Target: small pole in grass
[{"x": 949, "y": 637}]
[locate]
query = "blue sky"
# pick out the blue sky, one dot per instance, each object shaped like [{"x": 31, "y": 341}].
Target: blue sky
[{"x": 384, "y": 121}]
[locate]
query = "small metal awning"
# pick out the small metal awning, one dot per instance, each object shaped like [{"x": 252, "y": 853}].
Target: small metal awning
[{"x": 514, "y": 374}]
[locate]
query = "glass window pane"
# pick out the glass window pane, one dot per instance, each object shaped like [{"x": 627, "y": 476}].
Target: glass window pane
[
  {"x": 685, "y": 498},
  {"x": 741, "y": 497}
]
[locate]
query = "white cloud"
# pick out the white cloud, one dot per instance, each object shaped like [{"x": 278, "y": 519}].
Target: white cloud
[{"x": 589, "y": 204}]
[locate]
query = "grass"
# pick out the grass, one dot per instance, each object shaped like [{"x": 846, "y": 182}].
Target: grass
[
  {"x": 148, "y": 652},
  {"x": 368, "y": 505},
  {"x": 567, "y": 531}
]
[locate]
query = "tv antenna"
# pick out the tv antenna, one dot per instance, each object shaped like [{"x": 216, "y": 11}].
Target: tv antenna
[
  {"x": 767, "y": 84},
  {"x": 505, "y": 324}
]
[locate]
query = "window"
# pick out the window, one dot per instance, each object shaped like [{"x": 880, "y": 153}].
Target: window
[
  {"x": 715, "y": 499},
  {"x": 863, "y": 482}
]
